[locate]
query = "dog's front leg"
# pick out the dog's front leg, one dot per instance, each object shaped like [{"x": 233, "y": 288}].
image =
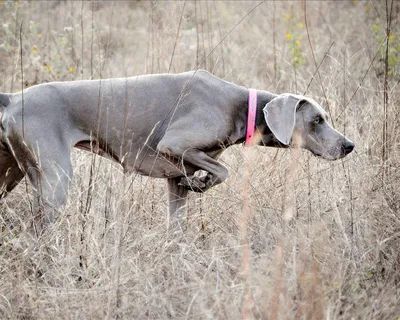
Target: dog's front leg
[
  {"x": 216, "y": 172},
  {"x": 177, "y": 196},
  {"x": 199, "y": 184}
]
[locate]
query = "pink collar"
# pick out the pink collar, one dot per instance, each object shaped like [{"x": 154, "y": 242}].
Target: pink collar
[{"x": 251, "y": 118}]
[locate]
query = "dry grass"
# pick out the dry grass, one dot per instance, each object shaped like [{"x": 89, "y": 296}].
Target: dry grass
[{"x": 318, "y": 239}]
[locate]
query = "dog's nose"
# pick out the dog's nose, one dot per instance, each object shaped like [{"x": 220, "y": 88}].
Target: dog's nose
[{"x": 347, "y": 147}]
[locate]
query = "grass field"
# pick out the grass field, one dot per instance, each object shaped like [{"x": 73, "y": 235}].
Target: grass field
[{"x": 287, "y": 236}]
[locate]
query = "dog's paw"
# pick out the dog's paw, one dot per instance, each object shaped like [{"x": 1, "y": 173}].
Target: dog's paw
[{"x": 193, "y": 184}]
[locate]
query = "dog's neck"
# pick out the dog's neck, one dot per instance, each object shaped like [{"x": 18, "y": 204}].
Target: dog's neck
[{"x": 267, "y": 138}]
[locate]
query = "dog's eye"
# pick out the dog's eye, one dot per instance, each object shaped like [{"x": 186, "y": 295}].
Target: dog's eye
[{"x": 318, "y": 120}]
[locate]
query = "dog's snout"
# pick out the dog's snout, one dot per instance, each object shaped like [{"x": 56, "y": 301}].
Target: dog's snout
[{"x": 347, "y": 147}]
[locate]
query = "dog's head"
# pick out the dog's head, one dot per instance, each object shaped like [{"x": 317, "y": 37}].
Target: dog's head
[{"x": 288, "y": 114}]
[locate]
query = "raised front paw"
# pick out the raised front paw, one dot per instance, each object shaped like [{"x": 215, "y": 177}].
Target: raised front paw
[{"x": 195, "y": 184}]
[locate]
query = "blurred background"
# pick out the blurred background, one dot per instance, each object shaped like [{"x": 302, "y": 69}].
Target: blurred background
[{"x": 287, "y": 236}]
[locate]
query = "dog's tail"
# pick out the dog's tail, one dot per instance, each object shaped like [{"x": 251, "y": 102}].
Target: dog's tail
[{"x": 4, "y": 101}]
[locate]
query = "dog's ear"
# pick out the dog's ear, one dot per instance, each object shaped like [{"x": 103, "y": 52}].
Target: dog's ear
[{"x": 280, "y": 115}]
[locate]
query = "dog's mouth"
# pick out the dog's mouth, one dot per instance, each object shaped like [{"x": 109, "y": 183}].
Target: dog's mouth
[
  {"x": 318, "y": 148},
  {"x": 326, "y": 155}
]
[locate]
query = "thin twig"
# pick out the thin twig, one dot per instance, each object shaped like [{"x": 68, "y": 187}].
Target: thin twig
[
  {"x": 35, "y": 229},
  {"x": 82, "y": 37},
  {"x": 91, "y": 41},
  {"x": 202, "y": 36},
  {"x": 109, "y": 36},
  {"x": 177, "y": 36},
  {"x": 362, "y": 80},
  {"x": 315, "y": 61},
  {"x": 197, "y": 33},
  {"x": 220, "y": 37},
  {"x": 22, "y": 81},
  {"x": 319, "y": 66},
  {"x": 318, "y": 172},
  {"x": 386, "y": 89},
  {"x": 274, "y": 42}
]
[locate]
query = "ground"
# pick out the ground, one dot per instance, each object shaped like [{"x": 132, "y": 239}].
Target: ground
[{"x": 286, "y": 236}]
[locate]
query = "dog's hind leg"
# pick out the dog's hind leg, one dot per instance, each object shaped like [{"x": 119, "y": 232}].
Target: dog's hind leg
[
  {"x": 10, "y": 173},
  {"x": 49, "y": 169},
  {"x": 51, "y": 181}
]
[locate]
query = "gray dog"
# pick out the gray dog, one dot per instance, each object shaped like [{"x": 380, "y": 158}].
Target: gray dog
[{"x": 163, "y": 126}]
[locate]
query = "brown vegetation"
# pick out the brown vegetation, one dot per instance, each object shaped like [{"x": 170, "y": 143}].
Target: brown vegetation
[{"x": 288, "y": 236}]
